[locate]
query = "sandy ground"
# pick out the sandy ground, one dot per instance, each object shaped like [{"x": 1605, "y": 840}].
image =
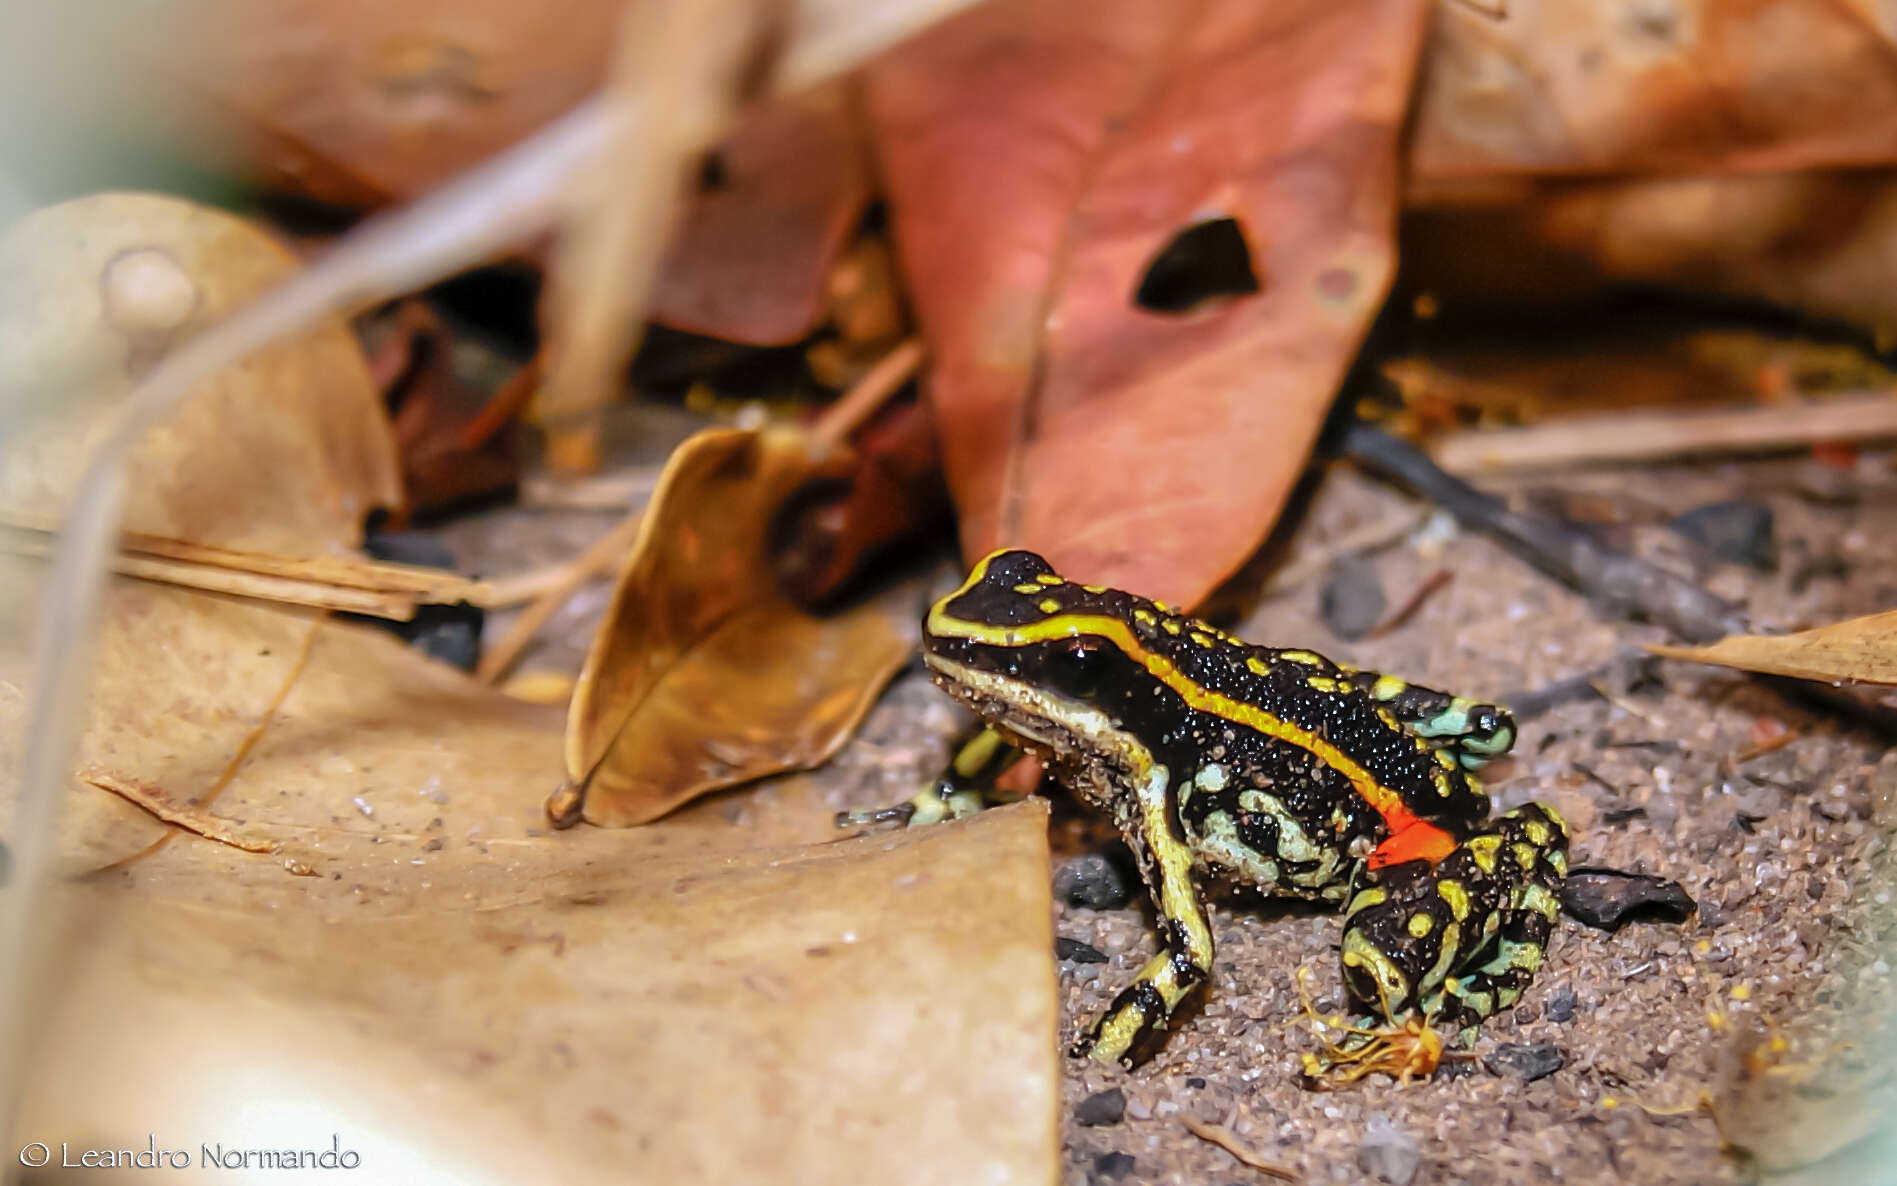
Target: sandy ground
[{"x": 1787, "y": 853}]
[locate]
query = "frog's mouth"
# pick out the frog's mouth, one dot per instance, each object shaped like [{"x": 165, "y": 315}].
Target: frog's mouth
[{"x": 1066, "y": 727}]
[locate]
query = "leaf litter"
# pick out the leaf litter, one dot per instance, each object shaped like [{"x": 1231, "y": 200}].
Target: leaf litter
[{"x": 686, "y": 997}]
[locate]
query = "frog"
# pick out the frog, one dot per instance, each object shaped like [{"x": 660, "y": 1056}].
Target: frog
[{"x": 1275, "y": 770}]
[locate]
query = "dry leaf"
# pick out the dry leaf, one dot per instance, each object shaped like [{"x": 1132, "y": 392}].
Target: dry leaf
[
  {"x": 780, "y": 197},
  {"x": 703, "y": 675},
  {"x": 830, "y": 532},
  {"x": 1857, "y": 649},
  {"x": 1569, "y": 86},
  {"x": 286, "y": 452},
  {"x": 422, "y": 970},
  {"x": 359, "y": 103},
  {"x": 1041, "y": 157},
  {"x": 699, "y": 1001},
  {"x": 1824, "y": 243}
]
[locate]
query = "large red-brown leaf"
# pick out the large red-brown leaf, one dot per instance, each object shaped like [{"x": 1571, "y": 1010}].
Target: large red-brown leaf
[
  {"x": 1039, "y": 155},
  {"x": 1670, "y": 86}
]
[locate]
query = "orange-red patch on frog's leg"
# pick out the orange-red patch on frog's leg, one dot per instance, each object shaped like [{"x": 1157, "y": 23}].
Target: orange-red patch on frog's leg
[{"x": 1415, "y": 841}]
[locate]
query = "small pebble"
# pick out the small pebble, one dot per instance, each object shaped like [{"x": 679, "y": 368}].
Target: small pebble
[
  {"x": 1093, "y": 881},
  {"x": 1525, "y": 1060},
  {"x": 1109, "y": 1166},
  {"x": 1352, "y": 601},
  {"x": 1195, "y": 1082},
  {"x": 1560, "y": 1005},
  {"x": 1739, "y": 531},
  {"x": 1077, "y": 952},
  {"x": 1101, "y": 1108},
  {"x": 1387, "y": 1152}
]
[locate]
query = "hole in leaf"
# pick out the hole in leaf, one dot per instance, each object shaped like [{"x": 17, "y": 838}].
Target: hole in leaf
[
  {"x": 1207, "y": 261},
  {"x": 712, "y": 173}
]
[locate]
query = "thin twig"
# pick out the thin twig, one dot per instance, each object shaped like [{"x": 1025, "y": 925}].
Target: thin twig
[
  {"x": 1647, "y": 436},
  {"x": 673, "y": 85},
  {"x": 1230, "y": 1141},
  {"x": 1625, "y": 583},
  {"x": 199, "y": 811},
  {"x": 161, "y": 803},
  {"x": 346, "y": 572},
  {"x": 1403, "y": 613},
  {"x": 869, "y": 393},
  {"x": 599, "y": 557}
]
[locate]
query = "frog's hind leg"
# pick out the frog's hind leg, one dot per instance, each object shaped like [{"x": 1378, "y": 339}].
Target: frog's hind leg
[
  {"x": 1461, "y": 940},
  {"x": 967, "y": 786},
  {"x": 1142, "y": 1009},
  {"x": 1473, "y": 731}
]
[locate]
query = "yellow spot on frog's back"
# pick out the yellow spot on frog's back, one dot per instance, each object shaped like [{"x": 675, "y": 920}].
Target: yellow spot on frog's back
[
  {"x": 1322, "y": 683},
  {"x": 1049, "y": 579},
  {"x": 1257, "y": 666},
  {"x": 1374, "y": 896},
  {"x": 1537, "y": 832},
  {"x": 1444, "y": 760},
  {"x": 1145, "y": 617},
  {"x": 1388, "y": 687},
  {"x": 1172, "y": 627},
  {"x": 1201, "y": 638},
  {"x": 1095, "y": 588},
  {"x": 1307, "y": 658},
  {"x": 1525, "y": 856},
  {"x": 1421, "y": 924},
  {"x": 1028, "y": 589},
  {"x": 1049, "y": 605},
  {"x": 1451, "y": 891},
  {"x": 1482, "y": 850},
  {"x": 1554, "y": 817}
]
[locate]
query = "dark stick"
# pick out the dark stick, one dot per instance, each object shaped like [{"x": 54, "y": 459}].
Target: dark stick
[{"x": 1622, "y": 584}]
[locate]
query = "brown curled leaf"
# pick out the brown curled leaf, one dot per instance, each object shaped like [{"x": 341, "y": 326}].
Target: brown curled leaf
[
  {"x": 829, "y": 531},
  {"x": 703, "y": 675}
]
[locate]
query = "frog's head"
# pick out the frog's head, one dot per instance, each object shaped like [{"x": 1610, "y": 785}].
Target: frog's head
[{"x": 1042, "y": 657}]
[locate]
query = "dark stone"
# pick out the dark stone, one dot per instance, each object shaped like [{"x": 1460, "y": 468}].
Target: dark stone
[
  {"x": 1527, "y": 1061},
  {"x": 1352, "y": 601},
  {"x": 1739, "y": 531},
  {"x": 1607, "y": 898},
  {"x": 1108, "y": 1166},
  {"x": 1559, "y": 1005},
  {"x": 1195, "y": 1082},
  {"x": 449, "y": 633},
  {"x": 1093, "y": 881},
  {"x": 1101, "y": 1108},
  {"x": 1077, "y": 952},
  {"x": 402, "y": 547}
]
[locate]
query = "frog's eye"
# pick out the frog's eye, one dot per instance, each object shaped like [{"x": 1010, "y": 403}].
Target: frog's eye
[{"x": 1080, "y": 668}]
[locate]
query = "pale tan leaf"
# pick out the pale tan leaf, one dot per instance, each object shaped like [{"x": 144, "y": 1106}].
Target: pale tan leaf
[
  {"x": 1862, "y": 650},
  {"x": 422, "y": 967},
  {"x": 456, "y": 988}
]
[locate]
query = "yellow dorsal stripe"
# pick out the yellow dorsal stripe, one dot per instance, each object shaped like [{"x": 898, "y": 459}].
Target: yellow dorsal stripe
[{"x": 1384, "y": 801}]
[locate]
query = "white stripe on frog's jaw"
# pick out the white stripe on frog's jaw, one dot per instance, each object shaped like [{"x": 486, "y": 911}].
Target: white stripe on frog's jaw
[{"x": 1063, "y": 725}]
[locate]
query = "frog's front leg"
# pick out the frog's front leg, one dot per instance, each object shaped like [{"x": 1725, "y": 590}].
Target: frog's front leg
[
  {"x": 966, "y": 787},
  {"x": 1143, "y": 1008}
]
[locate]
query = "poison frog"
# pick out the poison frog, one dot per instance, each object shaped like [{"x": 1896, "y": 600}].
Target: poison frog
[{"x": 1254, "y": 766}]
